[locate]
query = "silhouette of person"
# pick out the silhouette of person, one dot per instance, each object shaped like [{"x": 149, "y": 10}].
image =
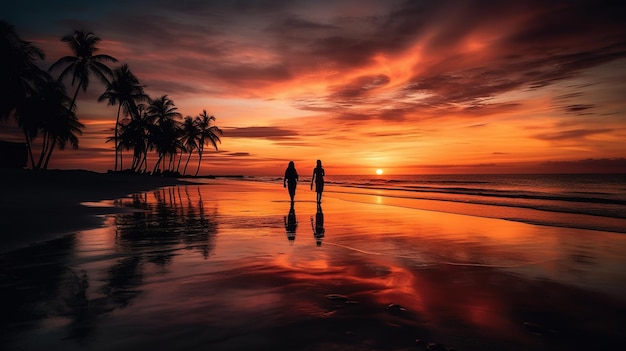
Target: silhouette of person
[
  {"x": 291, "y": 180},
  {"x": 318, "y": 179},
  {"x": 318, "y": 226},
  {"x": 291, "y": 223}
]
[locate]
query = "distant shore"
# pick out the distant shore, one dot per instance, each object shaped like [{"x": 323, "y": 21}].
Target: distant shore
[{"x": 37, "y": 206}]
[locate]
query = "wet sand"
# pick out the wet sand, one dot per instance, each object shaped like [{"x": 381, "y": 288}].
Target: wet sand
[
  {"x": 37, "y": 206},
  {"x": 220, "y": 267}
]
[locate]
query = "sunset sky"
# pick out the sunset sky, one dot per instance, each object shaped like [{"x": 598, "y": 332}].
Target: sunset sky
[{"x": 404, "y": 86}]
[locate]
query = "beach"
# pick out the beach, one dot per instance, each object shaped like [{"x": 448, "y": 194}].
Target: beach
[
  {"x": 227, "y": 264},
  {"x": 36, "y": 206}
]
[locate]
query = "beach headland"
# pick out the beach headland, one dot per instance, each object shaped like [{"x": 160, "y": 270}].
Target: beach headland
[{"x": 40, "y": 205}]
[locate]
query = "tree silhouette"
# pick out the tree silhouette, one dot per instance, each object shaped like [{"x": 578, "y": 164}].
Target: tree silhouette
[
  {"x": 125, "y": 91},
  {"x": 19, "y": 73},
  {"x": 84, "y": 62},
  {"x": 134, "y": 134},
  {"x": 190, "y": 137},
  {"x": 209, "y": 134},
  {"x": 60, "y": 124},
  {"x": 163, "y": 133},
  {"x": 48, "y": 111}
]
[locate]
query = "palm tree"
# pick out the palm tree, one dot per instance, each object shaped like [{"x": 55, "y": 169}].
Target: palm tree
[
  {"x": 84, "y": 62},
  {"x": 19, "y": 73},
  {"x": 163, "y": 133},
  {"x": 125, "y": 91},
  {"x": 136, "y": 134},
  {"x": 50, "y": 112},
  {"x": 20, "y": 78},
  {"x": 60, "y": 124},
  {"x": 190, "y": 138},
  {"x": 208, "y": 134}
]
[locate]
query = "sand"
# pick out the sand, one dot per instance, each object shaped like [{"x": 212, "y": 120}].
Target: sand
[
  {"x": 37, "y": 206},
  {"x": 216, "y": 267}
]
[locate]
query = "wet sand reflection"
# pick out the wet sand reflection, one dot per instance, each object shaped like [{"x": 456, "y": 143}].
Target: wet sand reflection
[{"x": 209, "y": 267}]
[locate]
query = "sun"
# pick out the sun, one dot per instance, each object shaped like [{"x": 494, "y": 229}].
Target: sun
[{"x": 379, "y": 171}]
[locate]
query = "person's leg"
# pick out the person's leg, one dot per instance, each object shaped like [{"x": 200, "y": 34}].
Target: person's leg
[{"x": 292, "y": 192}]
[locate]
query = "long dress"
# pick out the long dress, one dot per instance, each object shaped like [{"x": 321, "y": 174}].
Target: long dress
[
  {"x": 318, "y": 173},
  {"x": 291, "y": 176}
]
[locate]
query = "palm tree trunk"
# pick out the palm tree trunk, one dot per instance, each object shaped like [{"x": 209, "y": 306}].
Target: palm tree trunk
[
  {"x": 30, "y": 150},
  {"x": 144, "y": 161},
  {"x": 200, "y": 151},
  {"x": 54, "y": 142},
  {"x": 180, "y": 158},
  {"x": 158, "y": 162},
  {"x": 44, "y": 149},
  {"x": 76, "y": 93},
  {"x": 117, "y": 124},
  {"x": 135, "y": 162},
  {"x": 186, "y": 163}
]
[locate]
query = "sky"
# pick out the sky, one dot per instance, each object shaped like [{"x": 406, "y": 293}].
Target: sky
[{"x": 409, "y": 87}]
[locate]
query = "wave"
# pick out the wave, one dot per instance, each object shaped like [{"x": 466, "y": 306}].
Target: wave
[
  {"x": 504, "y": 194},
  {"x": 595, "y": 195}
]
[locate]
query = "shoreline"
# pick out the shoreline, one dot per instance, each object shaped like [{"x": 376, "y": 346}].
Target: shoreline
[{"x": 43, "y": 205}]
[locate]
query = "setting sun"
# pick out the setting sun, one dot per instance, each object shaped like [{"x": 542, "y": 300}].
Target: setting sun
[{"x": 379, "y": 171}]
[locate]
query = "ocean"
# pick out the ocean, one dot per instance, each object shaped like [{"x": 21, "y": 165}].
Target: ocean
[{"x": 587, "y": 201}]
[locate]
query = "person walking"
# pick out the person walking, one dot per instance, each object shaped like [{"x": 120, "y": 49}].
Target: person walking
[
  {"x": 291, "y": 180},
  {"x": 318, "y": 179}
]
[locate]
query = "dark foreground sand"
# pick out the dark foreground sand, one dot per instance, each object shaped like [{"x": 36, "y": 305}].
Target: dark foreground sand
[{"x": 37, "y": 206}]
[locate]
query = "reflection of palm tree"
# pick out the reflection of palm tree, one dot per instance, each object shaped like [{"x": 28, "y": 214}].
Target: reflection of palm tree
[
  {"x": 125, "y": 91},
  {"x": 208, "y": 134},
  {"x": 165, "y": 223},
  {"x": 291, "y": 223}
]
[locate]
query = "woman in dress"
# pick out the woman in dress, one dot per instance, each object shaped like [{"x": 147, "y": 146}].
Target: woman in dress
[
  {"x": 318, "y": 179},
  {"x": 291, "y": 179}
]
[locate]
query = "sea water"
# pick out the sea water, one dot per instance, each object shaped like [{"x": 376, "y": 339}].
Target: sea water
[{"x": 599, "y": 199}]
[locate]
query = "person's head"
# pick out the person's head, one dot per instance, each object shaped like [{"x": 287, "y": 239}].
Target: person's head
[
  {"x": 319, "y": 163},
  {"x": 291, "y": 164}
]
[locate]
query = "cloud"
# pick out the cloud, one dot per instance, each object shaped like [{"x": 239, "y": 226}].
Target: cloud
[
  {"x": 601, "y": 165},
  {"x": 271, "y": 133},
  {"x": 238, "y": 154},
  {"x": 573, "y": 134},
  {"x": 578, "y": 107},
  {"x": 358, "y": 87}
]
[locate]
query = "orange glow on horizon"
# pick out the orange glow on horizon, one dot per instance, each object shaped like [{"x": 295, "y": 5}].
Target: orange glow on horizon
[{"x": 441, "y": 97}]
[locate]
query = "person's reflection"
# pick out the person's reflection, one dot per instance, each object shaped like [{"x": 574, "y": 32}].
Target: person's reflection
[
  {"x": 291, "y": 224},
  {"x": 318, "y": 225}
]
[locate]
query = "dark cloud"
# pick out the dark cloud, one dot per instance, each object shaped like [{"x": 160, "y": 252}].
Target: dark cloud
[
  {"x": 271, "y": 133},
  {"x": 358, "y": 87},
  {"x": 602, "y": 165},
  {"x": 574, "y": 134},
  {"x": 578, "y": 107}
]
